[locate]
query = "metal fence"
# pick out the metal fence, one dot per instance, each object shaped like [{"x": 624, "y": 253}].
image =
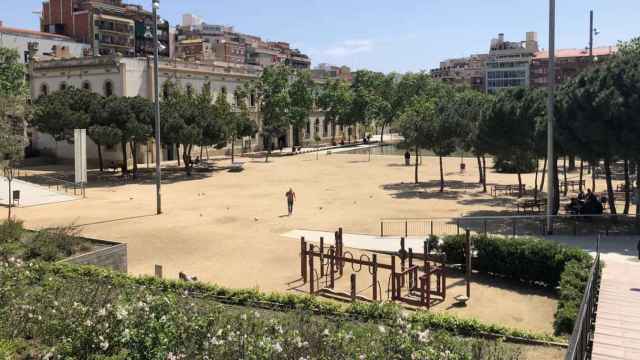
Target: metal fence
[
  {"x": 580, "y": 344},
  {"x": 535, "y": 225},
  {"x": 55, "y": 184}
]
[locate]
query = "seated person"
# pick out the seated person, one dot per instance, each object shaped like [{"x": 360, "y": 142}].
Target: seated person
[{"x": 581, "y": 195}]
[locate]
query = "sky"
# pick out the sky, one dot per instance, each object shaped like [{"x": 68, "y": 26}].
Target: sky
[{"x": 397, "y": 35}]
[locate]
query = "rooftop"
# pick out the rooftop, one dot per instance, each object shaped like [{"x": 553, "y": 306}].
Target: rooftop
[
  {"x": 566, "y": 53},
  {"x": 33, "y": 33}
]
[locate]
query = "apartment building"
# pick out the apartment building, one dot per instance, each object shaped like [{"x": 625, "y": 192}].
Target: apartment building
[
  {"x": 43, "y": 45},
  {"x": 509, "y": 63},
  {"x": 467, "y": 71},
  {"x": 325, "y": 71},
  {"x": 111, "y": 27},
  {"x": 569, "y": 63}
]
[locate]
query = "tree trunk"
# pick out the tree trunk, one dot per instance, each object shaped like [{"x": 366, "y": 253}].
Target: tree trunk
[
  {"x": 382, "y": 134},
  {"x": 519, "y": 184},
  {"x": 178, "y": 153},
  {"x": 564, "y": 175},
  {"x": 233, "y": 143},
  {"x": 134, "y": 158},
  {"x": 100, "y": 157},
  {"x": 627, "y": 185},
  {"x": 610, "y": 195},
  {"x": 186, "y": 157},
  {"x": 416, "y": 167},
  {"x": 124, "y": 157},
  {"x": 441, "y": 176},
  {"x": 637, "y": 189},
  {"x": 544, "y": 174},
  {"x": 10, "y": 180},
  {"x": 572, "y": 162},
  {"x": 581, "y": 175},
  {"x": 484, "y": 174},
  {"x": 479, "y": 169},
  {"x": 201, "y": 158},
  {"x": 535, "y": 183}
]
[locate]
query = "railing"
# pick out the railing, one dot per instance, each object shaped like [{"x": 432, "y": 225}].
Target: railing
[
  {"x": 55, "y": 184},
  {"x": 580, "y": 344},
  {"x": 534, "y": 225}
]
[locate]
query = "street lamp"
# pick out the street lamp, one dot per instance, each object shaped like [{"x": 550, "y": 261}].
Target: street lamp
[
  {"x": 156, "y": 94},
  {"x": 551, "y": 165}
]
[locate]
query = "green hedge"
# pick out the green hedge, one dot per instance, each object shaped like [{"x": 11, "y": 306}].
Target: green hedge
[
  {"x": 531, "y": 260},
  {"x": 288, "y": 301}
]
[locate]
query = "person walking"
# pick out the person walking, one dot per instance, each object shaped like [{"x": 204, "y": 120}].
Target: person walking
[{"x": 291, "y": 197}]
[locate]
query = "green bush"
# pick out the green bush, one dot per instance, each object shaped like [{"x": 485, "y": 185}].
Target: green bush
[
  {"x": 511, "y": 167},
  {"x": 11, "y": 231},
  {"x": 531, "y": 260},
  {"x": 88, "y": 313},
  {"x": 54, "y": 244}
]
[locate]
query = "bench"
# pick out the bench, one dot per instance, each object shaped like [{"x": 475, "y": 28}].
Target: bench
[
  {"x": 509, "y": 189},
  {"x": 531, "y": 205},
  {"x": 572, "y": 184}
]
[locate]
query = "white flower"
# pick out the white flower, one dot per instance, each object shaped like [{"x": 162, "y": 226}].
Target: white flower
[
  {"x": 381, "y": 328},
  {"x": 424, "y": 335},
  {"x": 325, "y": 332},
  {"x": 88, "y": 323},
  {"x": 362, "y": 356},
  {"x": 102, "y": 312},
  {"x": 121, "y": 313},
  {"x": 126, "y": 334},
  {"x": 243, "y": 316},
  {"x": 104, "y": 344},
  {"x": 277, "y": 347}
]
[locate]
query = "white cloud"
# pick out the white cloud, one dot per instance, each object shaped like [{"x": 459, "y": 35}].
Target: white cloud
[{"x": 349, "y": 47}]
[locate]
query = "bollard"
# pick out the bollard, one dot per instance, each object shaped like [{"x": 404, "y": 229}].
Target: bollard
[
  {"x": 158, "y": 271},
  {"x": 468, "y": 272},
  {"x": 303, "y": 259},
  {"x": 353, "y": 287},
  {"x": 375, "y": 277}
]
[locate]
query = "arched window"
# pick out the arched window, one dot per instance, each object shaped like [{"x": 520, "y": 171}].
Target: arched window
[
  {"x": 86, "y": 85},
  {"x": 253, "y": 100},
  {"x": 44, "y": 90},
  {"x": 63, "y": 86},
  {"x": 108, "y": 88},
  {"x": 316, "y": 128},
  {"x": 325, "y": 124},
  {"x": 307, "y": 132}
]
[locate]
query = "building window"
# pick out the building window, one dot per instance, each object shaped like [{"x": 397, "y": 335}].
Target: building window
[
  {"x": 44, "y": 90},
  {"x": 307, "y": 132},
  {"x": 325, "y": 124},
  {"x": 86, "y": 85},
  {"x": 63, "y": 86},
  {"x": 108, "y": 88},
  {"x": 316, "y": 128}
]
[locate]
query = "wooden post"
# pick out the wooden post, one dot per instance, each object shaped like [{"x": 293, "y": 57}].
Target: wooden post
[
  {"x": 431, "y": 228},
  {"x": 303, "y": 259},
  {"x": 311, "y": 273},
  {"x": 403, "y": 260},
  {"x": 158, "y": 271},
  {"x": 353, "y": 287},
  {"x": 406, "y": 228},
  {"x": 393, "y": 277},
  {"x": 468, "y": 272},
  {"x": 375, "y": 277},
  {"x": 444, "y": 276},
  {"x": 411, "y": 279},
  {"x": 381, "y": 228},
  {"x": 428, "y": 276},
  {"x": 332, "y": 255},
  {"x": 321, "y": 256}
]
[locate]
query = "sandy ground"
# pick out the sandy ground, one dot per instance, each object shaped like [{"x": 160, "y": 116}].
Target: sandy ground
[{"x": 226, "y": 227}]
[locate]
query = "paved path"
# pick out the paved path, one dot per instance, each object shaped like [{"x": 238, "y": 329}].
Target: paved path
[
  {"x": 617, "y": 332},
  {"x": 30, "y": 194}
]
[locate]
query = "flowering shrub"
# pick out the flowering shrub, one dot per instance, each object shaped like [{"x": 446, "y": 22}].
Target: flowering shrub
[{"x": 97, "y": 317}]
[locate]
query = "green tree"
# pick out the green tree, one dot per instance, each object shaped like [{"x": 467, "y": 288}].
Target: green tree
[
  {"x": 14, "y": 112},
  {"x": 59, "y": 113},
  {"x": 273, "y": 102},
  {"x": 301, "y": 97},
  {"x": 104, "y": 135},
  {"x": 416, "y": 125},
  {"x": 239, "y": 124},
  {"x": 334, "y": 99}
]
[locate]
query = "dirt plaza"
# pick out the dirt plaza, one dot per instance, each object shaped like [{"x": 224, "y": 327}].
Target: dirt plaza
[{"x": 226, "y": 227}]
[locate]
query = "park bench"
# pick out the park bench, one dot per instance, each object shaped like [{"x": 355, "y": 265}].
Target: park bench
[
  {"x": 509, "y": 189},
  {"x": 572, "y": 184},
  {"x": 531, "y": 205}
]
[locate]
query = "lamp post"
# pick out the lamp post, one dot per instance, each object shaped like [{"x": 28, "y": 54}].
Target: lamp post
[
  {"x": 551, "y": 166},
  {"x": 156, "y": 85}
]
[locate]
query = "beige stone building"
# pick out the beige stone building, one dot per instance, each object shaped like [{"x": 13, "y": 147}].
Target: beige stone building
[{"x": 126, "y": 76}]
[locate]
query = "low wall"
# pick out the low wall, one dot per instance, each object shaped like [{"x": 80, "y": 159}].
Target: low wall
[{"x": 112, "y": 256}]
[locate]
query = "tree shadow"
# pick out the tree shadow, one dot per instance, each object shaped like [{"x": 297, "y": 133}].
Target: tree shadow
[{"x": 417, "y": 191}]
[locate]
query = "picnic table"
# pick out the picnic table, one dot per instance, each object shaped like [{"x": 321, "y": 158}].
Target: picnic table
[
  {"x": 509, "y": 189},
  {"x": 572, "y": 184},
  {"x": 531, "y": 204}
]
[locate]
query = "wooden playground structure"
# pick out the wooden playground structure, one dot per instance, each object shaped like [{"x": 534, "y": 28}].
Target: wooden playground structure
[{"x": 412, "y": 278}]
